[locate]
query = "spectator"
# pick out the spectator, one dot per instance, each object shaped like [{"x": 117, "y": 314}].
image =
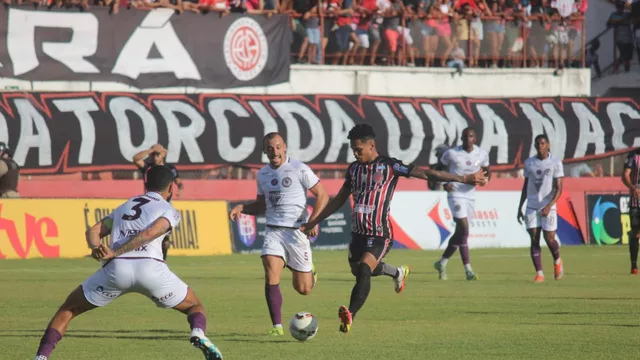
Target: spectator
[
  {"x": 457, "y": 57},
  {"x": 620, "y": 20},
  {"x": 312, "y": 21},
  {"x": 429, "y": 33},
  {"x": 368, "y": 37},
  {"x": 592, "y": 56},
  {"x": 496, "y": 29},
  {"x": 343, "y": 34},
  {"x": 9, "y": 173}
]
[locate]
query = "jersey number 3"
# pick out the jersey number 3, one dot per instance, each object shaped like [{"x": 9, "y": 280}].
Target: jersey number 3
[{"x": 137, "y": 208}]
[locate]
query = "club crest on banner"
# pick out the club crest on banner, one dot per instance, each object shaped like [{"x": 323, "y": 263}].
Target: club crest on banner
[{"x": 245, "y": 49}]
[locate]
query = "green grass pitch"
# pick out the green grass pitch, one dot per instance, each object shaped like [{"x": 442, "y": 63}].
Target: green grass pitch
[{"x": 593, "y": 313}]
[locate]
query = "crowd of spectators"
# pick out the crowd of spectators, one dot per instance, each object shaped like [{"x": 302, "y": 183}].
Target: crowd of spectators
[{"x": 430, "y": 33}]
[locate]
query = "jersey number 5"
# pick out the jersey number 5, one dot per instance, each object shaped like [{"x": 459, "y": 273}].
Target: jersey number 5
[{"x": 137, "y": 208}]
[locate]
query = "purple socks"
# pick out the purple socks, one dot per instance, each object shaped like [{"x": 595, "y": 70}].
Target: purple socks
[
  {"x": 274, "y": 302},
  {"x": 48, "y": 342},
  {"x": 197, "y": 321}
]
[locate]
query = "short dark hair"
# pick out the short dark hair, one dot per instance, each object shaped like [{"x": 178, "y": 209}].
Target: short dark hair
[
  {"x": 157, "y": 178},
  {"x": 270, "y": 136},
  {"x": 541, "y": 136},
  {"x": 362, "y": 132}
]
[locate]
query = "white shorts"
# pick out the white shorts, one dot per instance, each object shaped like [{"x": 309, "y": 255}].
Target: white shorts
[
  {"x": 292, "y": 245},
  {"x": 462, "y": 208},
  {"x": 149, "y": 277},
  {"x": 535, "y": 220}
]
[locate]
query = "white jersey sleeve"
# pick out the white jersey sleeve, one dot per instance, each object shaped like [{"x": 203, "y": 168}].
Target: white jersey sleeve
[
  {"x": 259, "y": 188},
  {"x": 461, "y": 162},
  {"x": 308, "y": 178},
  {"x": 558, "y": 170}
]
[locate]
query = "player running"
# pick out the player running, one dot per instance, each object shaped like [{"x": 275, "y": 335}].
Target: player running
[
  {"x": 134, "y": 263},
  {"x": 631, "y": 179},
  {"x": 462, "y": 160},
  {"x": 542, "y": 187},
  {"x": 282, "y": 195},
  {"x": 371, "y": 180}
]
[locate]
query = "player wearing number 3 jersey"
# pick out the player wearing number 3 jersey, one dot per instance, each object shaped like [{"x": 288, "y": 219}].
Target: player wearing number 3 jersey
[
  {"x": 282, "y": 196},
  {"x": 133, "y": 262}
]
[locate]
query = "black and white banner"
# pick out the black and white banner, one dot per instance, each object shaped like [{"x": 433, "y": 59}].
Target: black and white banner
[
  {"x": 69, "y": 132},
  {"x": 144, "y": 49}
]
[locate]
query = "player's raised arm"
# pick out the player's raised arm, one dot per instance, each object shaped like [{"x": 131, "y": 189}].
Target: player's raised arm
[{"x": 333, "y": 205}]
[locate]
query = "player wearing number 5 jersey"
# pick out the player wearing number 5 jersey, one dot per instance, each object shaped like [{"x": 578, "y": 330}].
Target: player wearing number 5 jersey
[
  {"x": 133, "y": 263},
  {"x": 542, "y": 187},
  {"x": 282, "y": 196}
]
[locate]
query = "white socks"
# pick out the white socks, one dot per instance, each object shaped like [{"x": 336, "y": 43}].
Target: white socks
[
  {"x": 539, "y": 273},
  {"x": 467, "y": 268},
  {"x": 197, "y": 332},
  {"x": 444, "y": 261}
]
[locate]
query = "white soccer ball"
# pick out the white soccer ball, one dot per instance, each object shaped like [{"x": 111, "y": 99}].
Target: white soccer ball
[{"x": 303, "y": 326}]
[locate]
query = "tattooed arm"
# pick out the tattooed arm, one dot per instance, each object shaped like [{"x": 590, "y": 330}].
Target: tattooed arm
[{"x": 159, "y": 227}]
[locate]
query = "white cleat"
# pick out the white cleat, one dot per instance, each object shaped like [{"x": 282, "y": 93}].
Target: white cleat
[
  {"x": 398, "y": 283},
  {"x": 41, "y": 357}
]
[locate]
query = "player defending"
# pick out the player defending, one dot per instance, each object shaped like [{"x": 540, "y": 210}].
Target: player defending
[
  {"x": 542, "y": 187},
  {"x": 462, "y": 160},
  {"x": 156, "y": 155},
  {"x": 134, "y": 263},
  {"x": 631, "y": 179},
  {"x": 371, "y": 180},
  {"x": 282, "y": 193}
]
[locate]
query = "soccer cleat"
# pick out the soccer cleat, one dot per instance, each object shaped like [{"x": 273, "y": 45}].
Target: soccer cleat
[
  {"x": 471, "y": 276},
  {"x": 538, "y": 279},
  {"x": 345, "y": 319},
  {"x": 558, "y": 270},
  {"x": 209, "y": 350},
  {"x": 442, "y": 270},
  {"x": 634, "y": 271},
  {"x": 276, "y": 331},
  {"x": 404, "y": 271}
]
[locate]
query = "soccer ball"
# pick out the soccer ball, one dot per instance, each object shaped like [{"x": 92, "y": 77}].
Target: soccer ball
[{"x": 303, "y": 326}]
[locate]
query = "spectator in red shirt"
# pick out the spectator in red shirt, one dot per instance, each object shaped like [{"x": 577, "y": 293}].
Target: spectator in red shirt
[
  {"x": 344, "y": 32},
  {"x": 369, "y": 37}
]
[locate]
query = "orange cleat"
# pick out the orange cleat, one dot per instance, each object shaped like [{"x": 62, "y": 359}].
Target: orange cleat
[
  {"x": 558, "y": 270},
  {"x": 634, "y": 271},
  {"x": 538, "y": 279},
  {"x": 345, "y": 319}
]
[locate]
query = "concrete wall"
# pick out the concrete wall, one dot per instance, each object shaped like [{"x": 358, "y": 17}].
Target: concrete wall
[{"x": 380, "y": 81}]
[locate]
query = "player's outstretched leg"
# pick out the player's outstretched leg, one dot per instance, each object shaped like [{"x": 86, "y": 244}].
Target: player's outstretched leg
[
  {"x": 536, "y": 254},
  {"x": 554, "y": 247},
  {"x": 399, "y": 274},
  {"x": 273, "y": 266},
  {"x": 633, "y": 252},
  {"x": 362, "y": 270},
  {"x": 74, "y": 305},
  {"x": 192, "y": 307}
]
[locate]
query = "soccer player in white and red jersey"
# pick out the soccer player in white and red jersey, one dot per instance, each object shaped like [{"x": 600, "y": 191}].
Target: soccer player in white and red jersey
[
  {"x": 631, "y": 179},
  {"x": 542, "y": 188},
  {"x": 134, "y": 263},
  {"x": 462, "y": 160},
  {"x": 282, "y": 196},
  {"x": 371, "y": 180}
]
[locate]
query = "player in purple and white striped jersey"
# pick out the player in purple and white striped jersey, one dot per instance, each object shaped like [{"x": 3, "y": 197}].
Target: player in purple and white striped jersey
[
  {"x": 631, "y": 179},
  {"x": 371, "y": 180}
]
